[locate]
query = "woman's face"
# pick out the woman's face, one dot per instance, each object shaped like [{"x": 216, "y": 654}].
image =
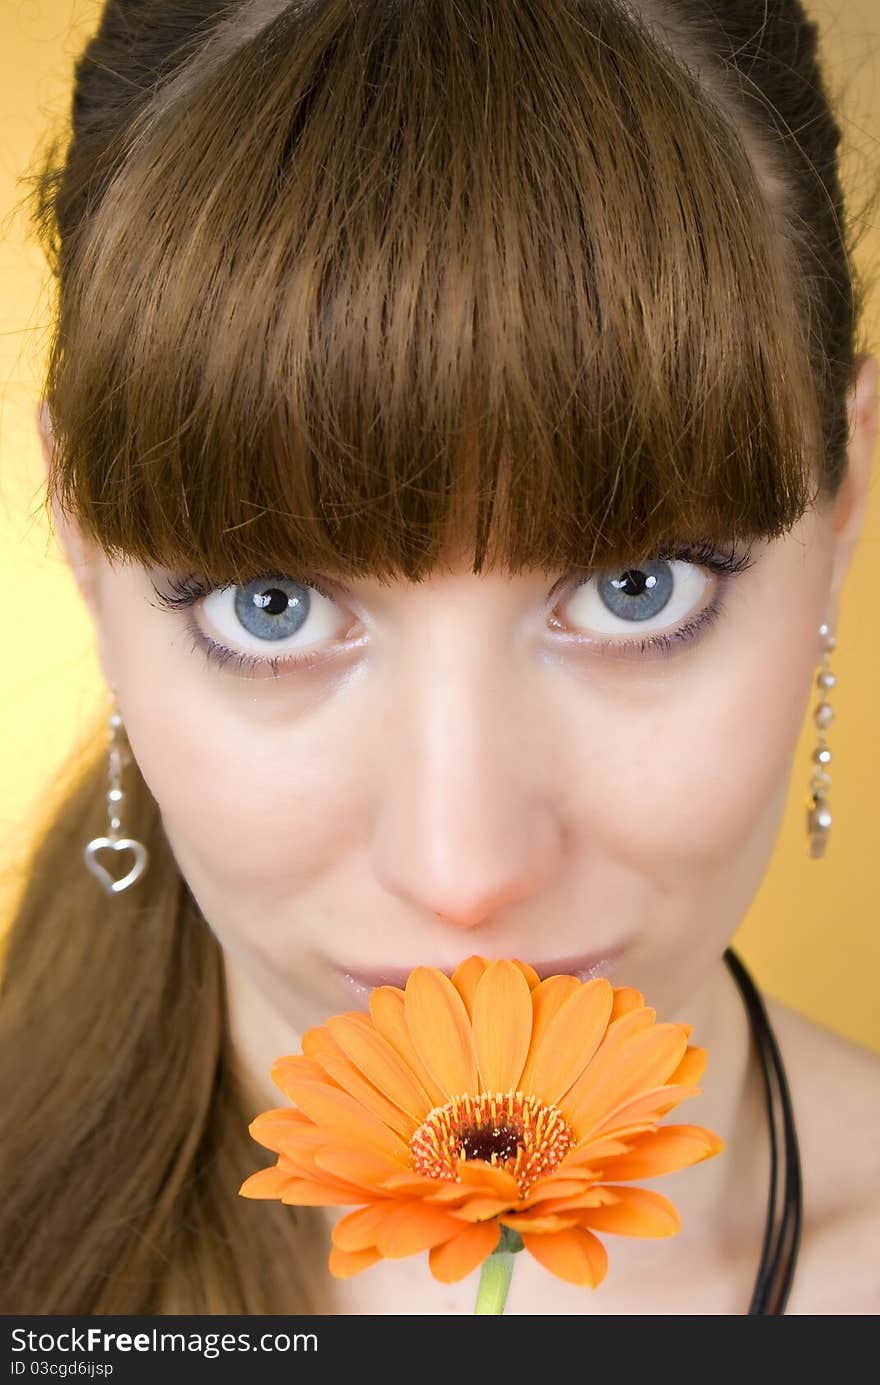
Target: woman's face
[{"x": 469, "y": 753}]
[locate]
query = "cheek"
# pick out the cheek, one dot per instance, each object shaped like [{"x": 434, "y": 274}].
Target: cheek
[
  {"x": 250, "y": 808},
  {"x": 685, "y": 783},
  {"x": 264, "y": 812},
  {"x": 251, "y": 789}
]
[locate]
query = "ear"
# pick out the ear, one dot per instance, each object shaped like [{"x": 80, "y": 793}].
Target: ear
[
  {"x": 851, "y": 502},
  {"x": 81, "y": 555}
]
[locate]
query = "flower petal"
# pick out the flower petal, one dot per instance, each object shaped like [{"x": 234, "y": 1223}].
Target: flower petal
[
  {"x": 454, "y": 1196},
  {"x": 358, "y": 1230},
  {"x": 502, "y": 1026},
  {"x": 387, "y": 1011},
  {"x": 364, "y": 1167},
  {"x": 626, "y": 998},
  {"x": 528, "y": 972},
  {"x": 481, "y": 1174},
  {"x": 590, "y": 1152},
  {"x": 569, "y": 1040},
  {"x": 462, "y": 1253},
  {"x": 547, "y": 998},
  {"x": 466, "y": 978},
  {"x": 319, "y": 1044},
  {"x": 342, "y": 1264},
  {"x": 295, "y": 1066},
  {"x": 691, "y": 1067},
  {"x": 663, "y": 1150},
  {"x": 554, "y": 1188},
  {"x": 482, "y": 1208},
  {"x": 647, "y": 1107},
  {"x": 283, "y": 1129},
  {"x": 476, "y": 1178},
  {"x": 596, "y": 1196},
  {"x": 440, "y": 1028},
  {"x": 303, "y": 1166},
  {"x": 306, "y": 1192},
  {"x": 269, "y": 1182},
  {"x": 651, "y": 1058},
  {"x": 412, "y": 1227},
  {"x": 635, "y": 1212},
  {"x": 380, "y": 1063},
  {"x": 418, "y": 1184},
  {"x": 574, "y": 1255},
  {"x": 635, "y": 1056},
  {"x": 338, "y": 1112},
  {"x": 395, "y": 1228},
  {"x": 537, "y": 1223}
]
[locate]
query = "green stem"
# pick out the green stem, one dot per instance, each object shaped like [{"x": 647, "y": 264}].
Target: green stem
[
  {"x": 496, "y": 1272},
  {"x": 494, "y": 1282}
]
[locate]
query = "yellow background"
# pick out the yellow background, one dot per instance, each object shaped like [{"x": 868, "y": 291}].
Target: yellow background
[{"x": 812, "y": 935}]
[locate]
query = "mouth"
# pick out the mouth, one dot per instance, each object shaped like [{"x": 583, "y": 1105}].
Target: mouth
[{"x": 585, "y": 966}]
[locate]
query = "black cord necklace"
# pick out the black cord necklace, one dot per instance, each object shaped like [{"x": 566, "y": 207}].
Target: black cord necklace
[{"x": 782, "y": 1235}]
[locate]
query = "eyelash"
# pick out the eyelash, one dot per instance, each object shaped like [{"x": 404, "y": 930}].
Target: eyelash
[{"x": 191, "y": 589}]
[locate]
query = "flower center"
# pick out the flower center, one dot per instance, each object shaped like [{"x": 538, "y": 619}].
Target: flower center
[{"x": 512, "y": 1131}]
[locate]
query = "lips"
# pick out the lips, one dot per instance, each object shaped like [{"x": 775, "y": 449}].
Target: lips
[{"x": 584, "y": 966}]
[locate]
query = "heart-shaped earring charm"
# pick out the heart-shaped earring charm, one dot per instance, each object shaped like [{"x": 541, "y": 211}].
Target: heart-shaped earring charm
[{"x": 121, "y": 844}]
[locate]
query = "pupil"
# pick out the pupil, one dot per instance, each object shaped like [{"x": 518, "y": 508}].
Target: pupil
[
  {"x": 633, "y": 582},
  {"x": 483, "y": 1141},
  {"x": 274, "y": 601}
]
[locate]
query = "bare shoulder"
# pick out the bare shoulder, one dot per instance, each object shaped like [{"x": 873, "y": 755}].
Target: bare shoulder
[{"x": 835, "y": 1093}]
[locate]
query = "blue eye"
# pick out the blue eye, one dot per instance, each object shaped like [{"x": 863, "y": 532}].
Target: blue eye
[
  {"x": 659, "y": 600},
  {"x": 272, "y": 611},
  {"x": 638, "y": 593},
  {"x": 270, "y": 608}
]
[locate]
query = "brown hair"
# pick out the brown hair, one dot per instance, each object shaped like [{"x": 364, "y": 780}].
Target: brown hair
[{"x": 339, "y": 284}]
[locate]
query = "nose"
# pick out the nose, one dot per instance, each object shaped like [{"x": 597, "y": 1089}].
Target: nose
[{"x": 468, "y": 823}]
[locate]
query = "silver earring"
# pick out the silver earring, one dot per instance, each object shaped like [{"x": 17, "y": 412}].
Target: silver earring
[
  {"x": 818, "y": 812},
  {"x": 113, "y": 841}
]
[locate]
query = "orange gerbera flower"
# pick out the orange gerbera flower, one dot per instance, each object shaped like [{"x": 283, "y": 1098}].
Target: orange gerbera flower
[{"x": 458, "y": 1106}]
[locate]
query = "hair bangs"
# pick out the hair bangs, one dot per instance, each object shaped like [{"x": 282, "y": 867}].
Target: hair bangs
[{"x": 340, "y": 305}]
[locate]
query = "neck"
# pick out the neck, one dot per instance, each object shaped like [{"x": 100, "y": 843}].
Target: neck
[{"x": 734, "y": 1184}]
